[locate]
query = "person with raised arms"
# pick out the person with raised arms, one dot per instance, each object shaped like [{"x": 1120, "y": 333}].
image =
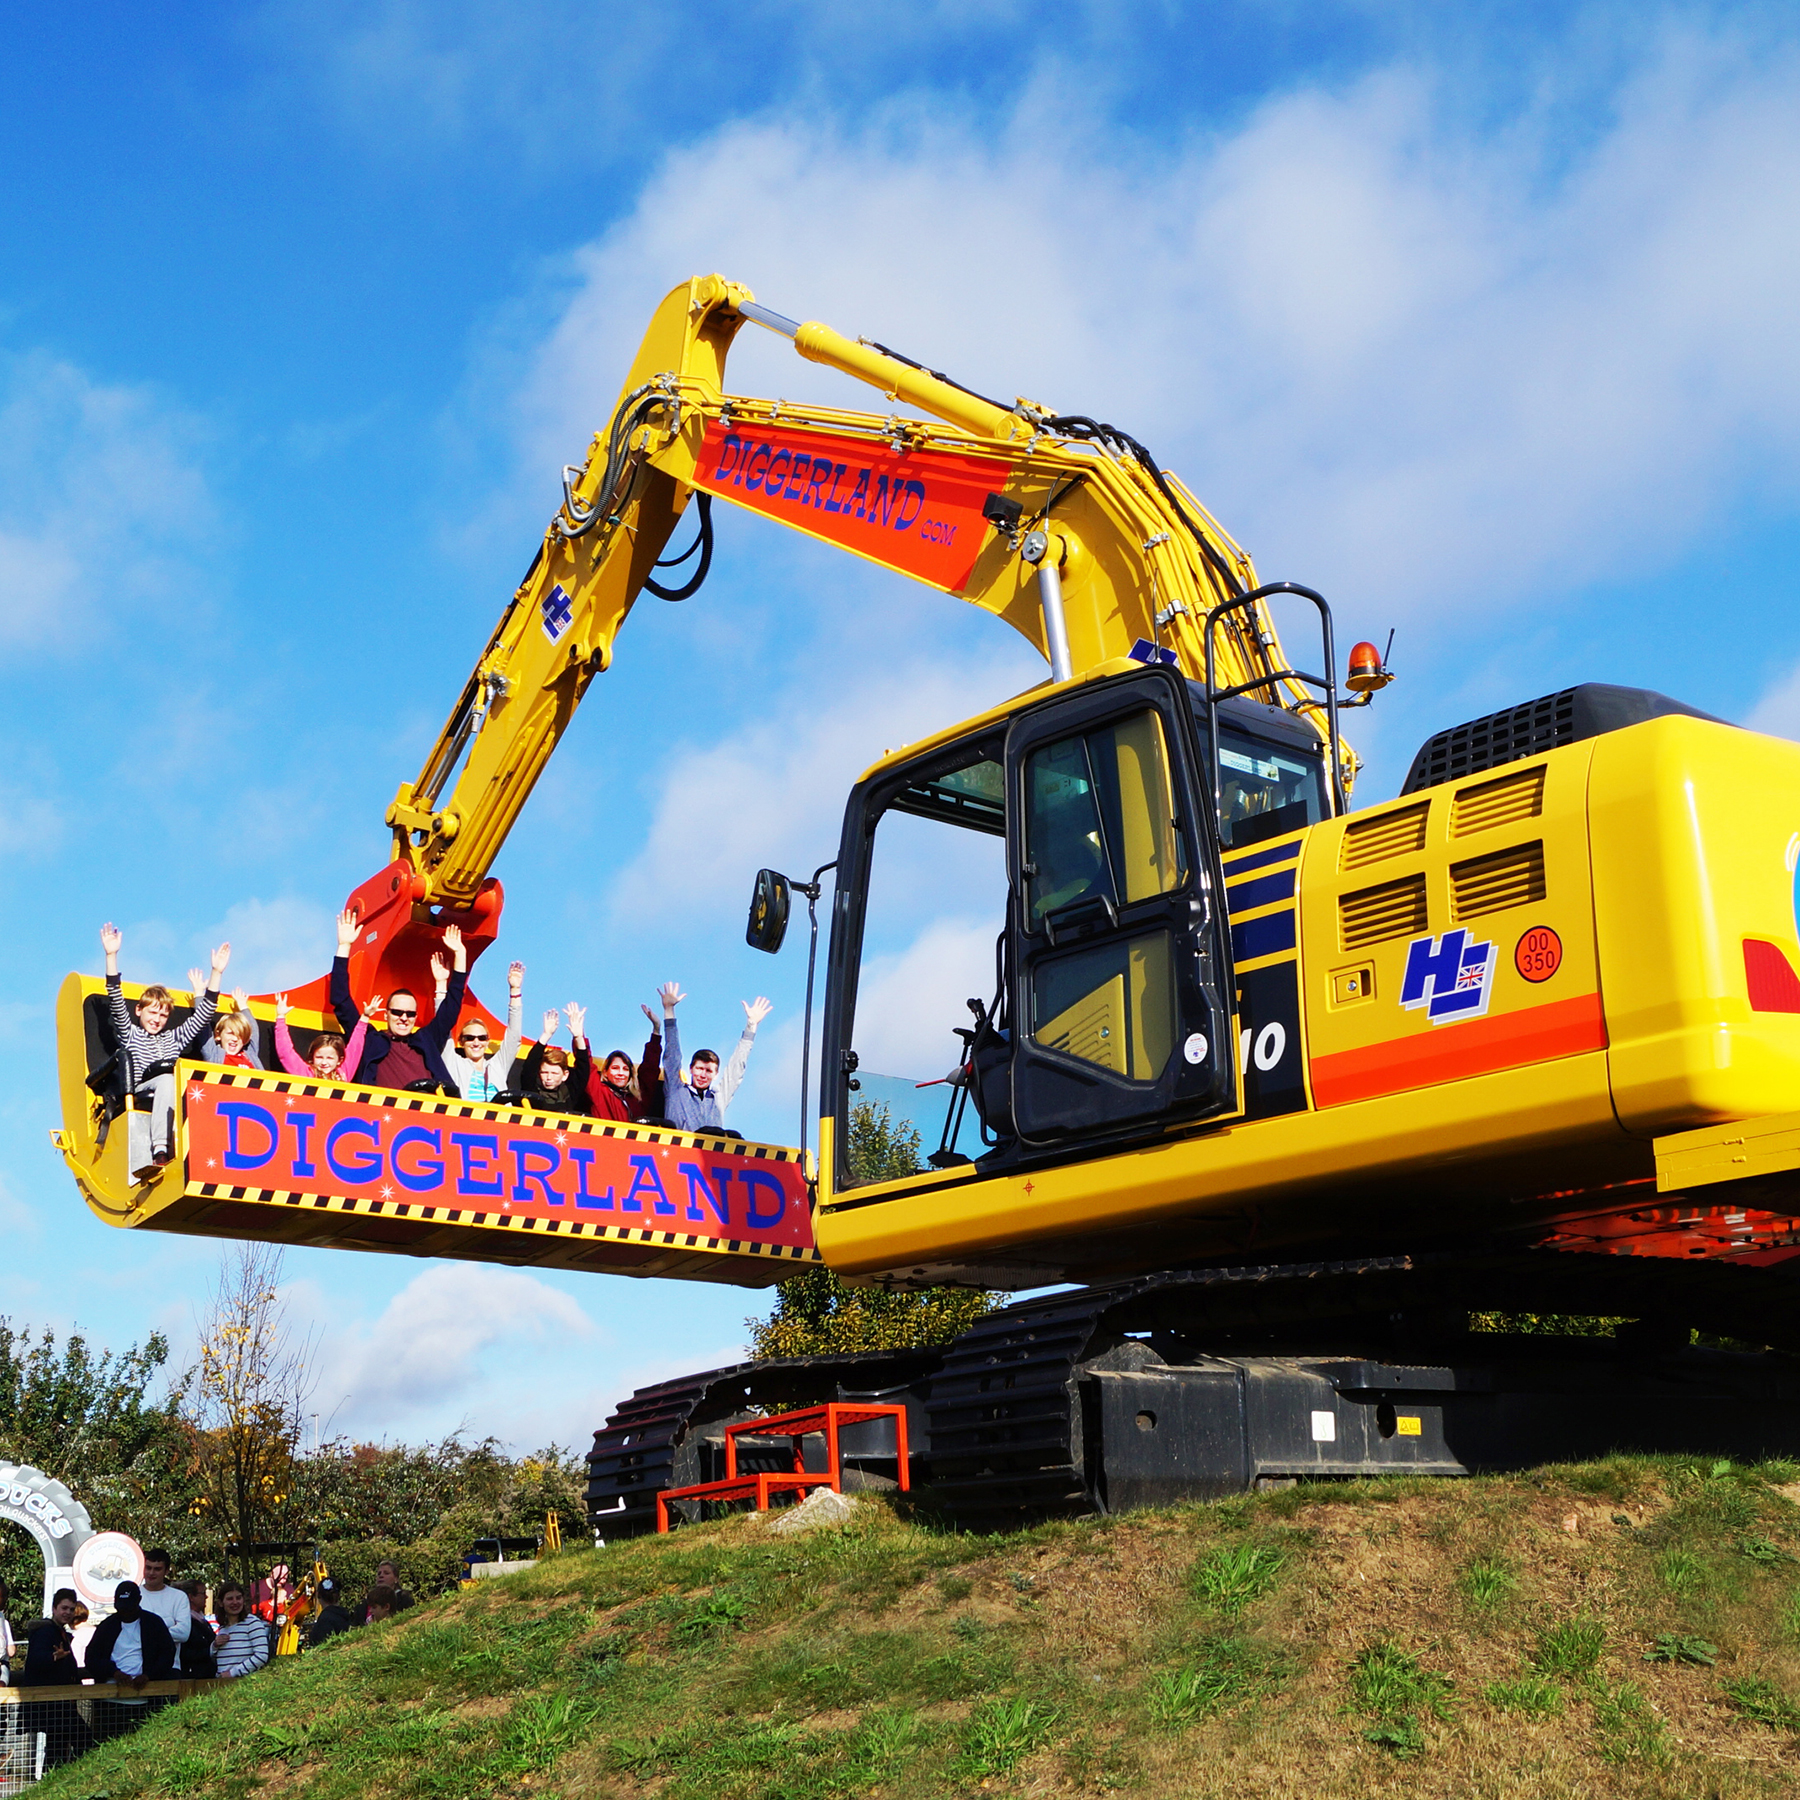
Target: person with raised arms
[{"x": 698, "y": 1101}]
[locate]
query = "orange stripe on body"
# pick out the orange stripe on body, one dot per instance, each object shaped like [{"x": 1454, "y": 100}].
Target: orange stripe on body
[{"x": 1455, "y": 1052}]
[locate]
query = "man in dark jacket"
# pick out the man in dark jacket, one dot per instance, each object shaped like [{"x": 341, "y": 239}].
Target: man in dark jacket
[
  {"x": 50, "y": 1661},
  {"x": 132, "y": 1647},
  {"x": 333, "y": 1615},
  {"x": 405, "y": 1055},
  {"x": 194, "y": 1659}
]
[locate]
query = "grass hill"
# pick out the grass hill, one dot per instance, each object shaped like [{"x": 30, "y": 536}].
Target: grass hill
[{"x": 1624, "y": 1628}]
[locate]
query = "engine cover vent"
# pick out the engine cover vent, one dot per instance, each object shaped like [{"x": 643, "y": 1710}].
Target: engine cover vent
[{"x": 1547, "y": 724}]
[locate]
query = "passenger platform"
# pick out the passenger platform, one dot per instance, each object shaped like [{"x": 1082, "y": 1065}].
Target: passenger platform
[{"x": 289, "y": 1159}]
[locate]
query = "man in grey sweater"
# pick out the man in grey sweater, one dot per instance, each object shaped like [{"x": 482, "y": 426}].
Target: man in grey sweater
[{"x": 699, "y": 1102}]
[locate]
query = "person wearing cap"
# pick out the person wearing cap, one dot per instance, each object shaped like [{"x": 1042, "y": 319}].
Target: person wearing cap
[
  {"x": 132, "y": 1648},
  {"x": 332, "y": 1616}
]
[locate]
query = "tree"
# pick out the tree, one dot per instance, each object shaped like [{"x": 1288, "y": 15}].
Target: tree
[
  {"x": 817, "y": 1315},
  {"x": 86, "y": 1417},
  {"x": 250, "y": 1399}
]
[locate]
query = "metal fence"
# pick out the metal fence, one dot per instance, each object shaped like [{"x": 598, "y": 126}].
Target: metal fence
[{"x": 44, "y": 1727}]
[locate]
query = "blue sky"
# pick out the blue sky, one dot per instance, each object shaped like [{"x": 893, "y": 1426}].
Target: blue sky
[{"x": 1479, "y": 319}]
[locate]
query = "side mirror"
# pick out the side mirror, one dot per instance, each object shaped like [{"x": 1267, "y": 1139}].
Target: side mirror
[{"x": 768, "y": 912}]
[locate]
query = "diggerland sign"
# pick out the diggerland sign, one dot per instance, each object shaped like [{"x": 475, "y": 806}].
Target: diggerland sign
[
  {"x": 393, "y": 1150},
  {"x": 913, "y": 509}
]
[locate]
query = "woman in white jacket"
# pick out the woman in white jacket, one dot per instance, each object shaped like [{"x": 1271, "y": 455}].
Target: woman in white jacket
[{"x": 479, "y": 1070}]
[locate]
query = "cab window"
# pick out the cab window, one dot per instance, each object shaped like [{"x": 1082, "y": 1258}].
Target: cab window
[
  {"x": 1100, "y": 820},
  {"x": 1265, "y": 789}
]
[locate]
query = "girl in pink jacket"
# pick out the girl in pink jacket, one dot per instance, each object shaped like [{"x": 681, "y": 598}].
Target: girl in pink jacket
[{"x": 330, "y": 1055}]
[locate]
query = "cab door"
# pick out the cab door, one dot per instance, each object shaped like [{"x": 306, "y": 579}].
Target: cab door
[{"x": 1120, "y": 1010}]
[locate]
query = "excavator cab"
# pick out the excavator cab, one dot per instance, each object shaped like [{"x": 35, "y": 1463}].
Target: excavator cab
[{"x": 1071, "y": 856}]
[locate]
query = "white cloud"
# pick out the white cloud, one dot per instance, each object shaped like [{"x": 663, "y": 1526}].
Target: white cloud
[
  {"x": 102, "y": 503},
  {"x": 433, "y": 1345},
  {"x": 1403, "y": 359},
  {"x": 274, "y": 943},
  {"x": 773, "y": 794}
]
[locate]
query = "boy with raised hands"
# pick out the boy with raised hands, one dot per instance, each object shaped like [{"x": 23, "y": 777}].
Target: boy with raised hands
[
  {"x": 698, "y": 1102},
  {"x": 149, "y": 1047}
]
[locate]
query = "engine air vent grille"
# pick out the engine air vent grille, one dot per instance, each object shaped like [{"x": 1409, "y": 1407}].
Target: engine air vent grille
[
  {"x": 1502, "y": 802},
  {"x": 1488, "y": 884},
  {"x": 1392, "y": 834},
  {"x": 1395, "y": 909},
  {"x": 1521, "y": 731}
]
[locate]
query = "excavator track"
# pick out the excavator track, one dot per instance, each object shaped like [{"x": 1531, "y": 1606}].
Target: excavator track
[
  {"x": 1192, "y": 1383},
  {"x": 658, "y": 1438}
]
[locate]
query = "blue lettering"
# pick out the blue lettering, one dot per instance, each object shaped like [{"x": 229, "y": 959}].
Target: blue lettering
[
  {"x": 754, "y": 469},
  {"x": 468, "y": 1143},
  {"x": 697, "y": 1185},
  {"x": 815, "y": 481},
  {"x": 248, "y": 1112},
  {"x": 732, "y": 442},
  {"x": 583, "y": 1161},
  {"x": 430, "y": 1172},
  {"x": 367, "y": 1167},
  {"x": 645, "y": 1180},
  {"x": 801, "y": 462},
  {"x": 915, "y": 492},
  {"x": 761, "y": 1178},
  {"x": 548, "y": 1160},
  {"x": 777, "y": 474},
  {"x": 303, "y": 1124},
  {"x": 881, "y": 505},
  {"x": 830, "y": 500},
  {"x": 860, "y": 497}
]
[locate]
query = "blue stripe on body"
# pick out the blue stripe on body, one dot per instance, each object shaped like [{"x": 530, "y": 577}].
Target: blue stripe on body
[
  {"x": 1262, "y": 937},
  {"x": 1265, "y": 890},
  {"x": 1258, "y": 859}
]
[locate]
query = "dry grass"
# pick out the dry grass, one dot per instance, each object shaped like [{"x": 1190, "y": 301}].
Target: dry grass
[{"x": 1488, "y": 1638}]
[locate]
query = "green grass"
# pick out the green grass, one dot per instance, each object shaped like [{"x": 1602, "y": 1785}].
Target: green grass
[
  {"x": 1235, "y": 1576},
  {"x": 1537, "y": 1696},
  {"x": 1762, "y": 1702},
  {"x": 1627, "y": 1728},
  {"x": 1316, "y": 1641},
  {"x": 1227, "y": 1671},
  {"x": 1489, "y": 1581},
  {"x": 1570, "y": 1648}
]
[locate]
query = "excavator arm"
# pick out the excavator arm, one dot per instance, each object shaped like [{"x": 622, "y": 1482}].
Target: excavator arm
[{"x": 1064, "y": 528}]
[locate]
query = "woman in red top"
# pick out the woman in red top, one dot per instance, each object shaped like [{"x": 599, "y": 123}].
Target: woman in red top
[{"x": 614, "y": 1092}]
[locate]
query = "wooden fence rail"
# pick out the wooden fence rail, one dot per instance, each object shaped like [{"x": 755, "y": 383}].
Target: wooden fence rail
[{"x": 108, "y": 1690}]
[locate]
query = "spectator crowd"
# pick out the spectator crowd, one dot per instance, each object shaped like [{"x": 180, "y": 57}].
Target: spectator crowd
[
  {"x": 384, "y": 1043},
  {"x": 161, "y": 1630}
]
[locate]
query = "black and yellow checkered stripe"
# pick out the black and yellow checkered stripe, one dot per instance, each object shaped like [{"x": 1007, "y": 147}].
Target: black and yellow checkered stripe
[{"x": 572, "y": 1124}]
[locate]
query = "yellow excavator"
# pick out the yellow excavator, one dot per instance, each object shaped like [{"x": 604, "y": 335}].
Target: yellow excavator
[{"x": 1273, "y": 1078}]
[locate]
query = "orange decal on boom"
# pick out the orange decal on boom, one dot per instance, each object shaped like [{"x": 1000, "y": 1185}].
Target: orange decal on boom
[
  {"x": 1452, "y": 1053},
  {"x": 918, "y": 511}
]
